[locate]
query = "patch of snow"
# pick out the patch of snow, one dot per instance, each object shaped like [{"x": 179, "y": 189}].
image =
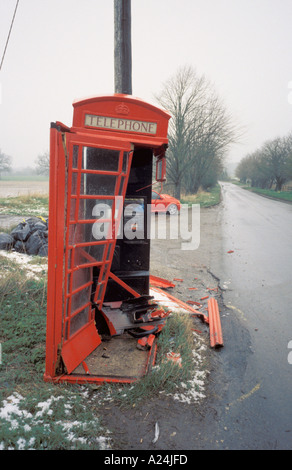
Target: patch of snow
[
  {"x": 194, "y": 389},
  {"x": 11, "y": 409},
  {"x": 26, "y": 262},
  {"x": 24, "y": 422}
]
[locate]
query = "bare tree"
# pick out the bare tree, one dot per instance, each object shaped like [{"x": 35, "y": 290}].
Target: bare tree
[
  {"x": 276, "y": 154},
  {"x": 211, "y": 140},
  {"x": 269, "y": 165},
  {"x": 289, "y": 159},
  {"x": 200, "y": 130},
  {"x": 254, "y": 169},
  {"x": 5, "y": 163},
  {"x": 43, "y": 164}
]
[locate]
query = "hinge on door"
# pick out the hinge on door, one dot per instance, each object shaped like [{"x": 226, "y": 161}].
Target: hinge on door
[{"x": 60, "y": 366}]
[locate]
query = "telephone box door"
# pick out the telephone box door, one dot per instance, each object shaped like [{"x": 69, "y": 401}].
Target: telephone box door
[{"x": 89, "y": 178}]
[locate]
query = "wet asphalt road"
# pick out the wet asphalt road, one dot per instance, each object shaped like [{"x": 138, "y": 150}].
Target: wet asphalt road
[{"x": 254, "y": 401}]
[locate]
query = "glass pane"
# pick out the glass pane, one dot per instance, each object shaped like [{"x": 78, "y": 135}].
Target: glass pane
[
  {"x": 74, "y": 183},
  {"x": 125, "y": 162},
  {"x": 75, "y": 156},
  {"x": 80, "y": 298},
  {"x": 121, "y": 189},
  {"x": 99, "y": 185},
  {"x": 81, "y": 277},
  {"x": 86, "y": 255},
  {"x": 72, "y": 209},
  {"x": 100, "y": 159},
  {"x": 77, "y": 234},
  {"x": 86, "y": 233},
  {"x": 79, "y": 320},
  {"x": 95, "y": 209}
]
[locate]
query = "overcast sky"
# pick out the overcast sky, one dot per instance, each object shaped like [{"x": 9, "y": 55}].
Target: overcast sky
[{"x": 61, "y": 50}]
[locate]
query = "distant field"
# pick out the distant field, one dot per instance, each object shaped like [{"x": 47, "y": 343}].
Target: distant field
[
  {"x": 22, "y": 187},
  {"x": 23, "y": 177}
]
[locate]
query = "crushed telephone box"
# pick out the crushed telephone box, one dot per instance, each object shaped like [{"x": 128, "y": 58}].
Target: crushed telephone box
[{"x": 98, "y": 300}]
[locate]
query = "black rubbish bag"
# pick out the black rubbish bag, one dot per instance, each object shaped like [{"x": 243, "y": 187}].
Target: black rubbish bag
[
  {"x": 6, "y": 241},
  {"x": 21, "y": 232},
  {"x": 34, "y": 243}
]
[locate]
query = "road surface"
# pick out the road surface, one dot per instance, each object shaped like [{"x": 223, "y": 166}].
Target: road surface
[{"x": 255, "y": 412}]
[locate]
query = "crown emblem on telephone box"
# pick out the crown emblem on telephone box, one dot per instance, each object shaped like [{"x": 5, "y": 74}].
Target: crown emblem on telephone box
[{"x": 122, "y": 109}]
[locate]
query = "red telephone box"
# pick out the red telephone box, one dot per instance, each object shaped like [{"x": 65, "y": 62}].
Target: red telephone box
[{"x": 98, "y": 276}]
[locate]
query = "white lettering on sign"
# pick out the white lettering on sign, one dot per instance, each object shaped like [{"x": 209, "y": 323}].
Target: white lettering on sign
[{"x": 119, "y": 124}]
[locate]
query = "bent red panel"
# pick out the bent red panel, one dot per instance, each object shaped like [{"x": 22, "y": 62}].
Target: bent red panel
[
  {"x": 216, "y": 338},
  {"x": 80, "y": 345}
]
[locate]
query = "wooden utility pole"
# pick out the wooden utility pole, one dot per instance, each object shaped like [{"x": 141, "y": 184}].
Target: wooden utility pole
[{"x": 123, "y": 47}]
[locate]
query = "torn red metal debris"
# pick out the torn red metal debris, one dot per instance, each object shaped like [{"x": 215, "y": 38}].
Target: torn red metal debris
[
  {"x": 177, "y": 279},
  {"x": 146, "y": 342},
  {"x": 172, "y": 302},
  {"x": 85, "y": 367},
  {"x": 216, "y": 338},
  {"x": 174, "y": 357},
  {"x": 204, "y": 298},
  {"x": 159, "y": 282},
  {"x": 230, "y": 251},
  {"x": 202, "y": 317},
  {"x": 197, "y": 331}
]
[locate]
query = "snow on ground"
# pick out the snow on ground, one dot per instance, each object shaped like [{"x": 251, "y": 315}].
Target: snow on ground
[
  {"x": 24, "y": 423},
  {"x": 26, "y": 263},
  {"x": 195, "y": 388}
]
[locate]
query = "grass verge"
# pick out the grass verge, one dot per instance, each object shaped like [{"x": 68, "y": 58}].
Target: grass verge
[
  {"x": 271, "y": 193},
  {"x": 29, "y": 205},
  {"x": 280, "y": 195},
  {"x": 204, "y": 198}
]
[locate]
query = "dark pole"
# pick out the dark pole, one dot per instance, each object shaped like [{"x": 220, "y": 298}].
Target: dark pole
[{"x": 123, "y": 47}]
